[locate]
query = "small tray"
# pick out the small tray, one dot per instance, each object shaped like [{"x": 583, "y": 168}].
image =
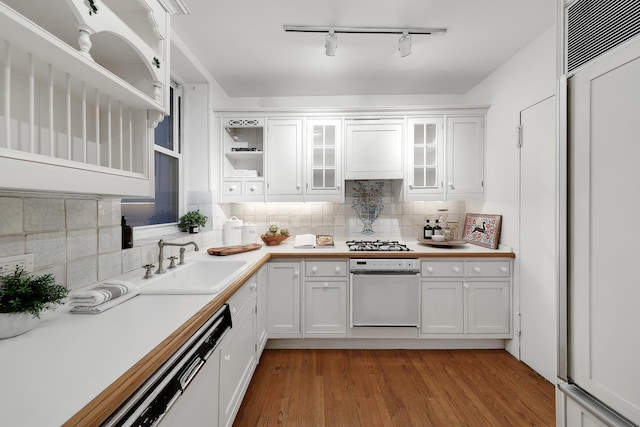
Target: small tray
[{"x": 443, "y": 244}]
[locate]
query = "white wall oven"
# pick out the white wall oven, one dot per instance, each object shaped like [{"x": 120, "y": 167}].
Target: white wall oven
[{"x": 385, "y": 292}]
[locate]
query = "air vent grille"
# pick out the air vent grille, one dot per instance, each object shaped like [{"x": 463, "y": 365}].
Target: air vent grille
[{"x": 595, "y": 26}]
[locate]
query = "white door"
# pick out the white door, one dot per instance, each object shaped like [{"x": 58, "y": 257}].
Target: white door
[{"x": 537, "y": 238}]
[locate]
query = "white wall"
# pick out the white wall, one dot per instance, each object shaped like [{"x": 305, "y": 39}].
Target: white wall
[{"x": 527, "y": 78}]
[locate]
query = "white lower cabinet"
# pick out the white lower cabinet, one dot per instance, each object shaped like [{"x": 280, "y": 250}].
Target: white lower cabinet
[
  {"x": 325, "y": 299},
  {"x": 237, "y": 353},
  {"x": 283, "y": 299},
  {"x": 465, "y": 298},
  {"x": 442, "y": 308},
  {"x": 325, "y": 309},
  {"x": 261, "y": 312},
  {"x": 488, "y": 307}
]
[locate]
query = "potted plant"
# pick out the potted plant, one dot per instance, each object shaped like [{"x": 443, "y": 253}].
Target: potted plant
[
  {"x": 191, "y": 221},
  {"x": 23, "y": 298}
]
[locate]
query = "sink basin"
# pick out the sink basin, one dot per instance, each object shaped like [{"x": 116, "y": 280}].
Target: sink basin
[{"x": 197, "y": 277}]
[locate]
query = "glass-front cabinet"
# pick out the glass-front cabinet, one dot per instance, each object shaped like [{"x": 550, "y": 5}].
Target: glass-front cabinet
[
  {"x": 426, "y": 156},
  {"x": 324, "y": 171}
]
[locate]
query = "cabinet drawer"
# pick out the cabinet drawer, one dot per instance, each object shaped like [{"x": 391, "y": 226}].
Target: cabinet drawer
[
  {"x": 488, "y": 268},
  {"x": 442, "y": 269},
  {"x": 232, "y": 187},
  {"x": 326, "y": 269},
  {"x": 242, "y": 297},
  {"x": 254, "y": 188}
]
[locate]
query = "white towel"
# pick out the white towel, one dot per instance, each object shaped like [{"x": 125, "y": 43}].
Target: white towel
[{"x": 101, "y": 293}]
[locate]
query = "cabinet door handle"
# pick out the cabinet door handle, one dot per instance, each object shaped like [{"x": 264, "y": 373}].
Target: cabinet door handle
[
  {"x": 338, "y": 186},
  {"x": 252, "y": 188},
  {"x": 430, "y": 269},
  {"x": 254, "y": 285},
  {"x": 338, "y": 270},
  {"x": 233, "y": 310},
  {"x": 314, "y": 270},
  {"x": 326, "y": 285},
  {"x": 456, "y": 269},
  {"x": 227, "y": 357},
  {"x": 465, "y": 285},
  {"x": 296, "y": 273},
  {"x": 476, "y": 269},
  {"x": 504, "y": 269},
  {"x": 232, "y": 188},
  {"x": 451, "y": 186}
]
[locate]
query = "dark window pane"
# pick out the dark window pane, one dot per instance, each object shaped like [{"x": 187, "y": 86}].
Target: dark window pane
[
  {"x": 164, "y": 208},
  {"x": 164, "y": 131}
]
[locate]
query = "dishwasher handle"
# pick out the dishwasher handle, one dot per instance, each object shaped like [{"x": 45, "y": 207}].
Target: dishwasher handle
[{"x": 191, "y": 371}]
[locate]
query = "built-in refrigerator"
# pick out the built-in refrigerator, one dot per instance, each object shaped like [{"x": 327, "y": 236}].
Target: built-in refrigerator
[{"x": 599, "y": 292}]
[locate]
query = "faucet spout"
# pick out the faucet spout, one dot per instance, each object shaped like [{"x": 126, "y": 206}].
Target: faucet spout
[{"x": 162, "y": 244}]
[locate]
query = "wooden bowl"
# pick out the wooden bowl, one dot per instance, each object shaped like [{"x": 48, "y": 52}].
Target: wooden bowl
[{"x": 273, "y": 240}]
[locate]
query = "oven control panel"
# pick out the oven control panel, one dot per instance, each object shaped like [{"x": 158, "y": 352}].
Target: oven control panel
[{"x": 389, "y": 265}]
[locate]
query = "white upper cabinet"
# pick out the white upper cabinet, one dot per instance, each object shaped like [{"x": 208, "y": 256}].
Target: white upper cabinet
[
  {"x": 284, "y": 160},
  {"x": 324, "y": 160},
  {"x": 445, "y": 158},
  {"x": 84, "y": 85},
  {"x": 465, "y": 158},
  {"x": 374, "y": 149}
]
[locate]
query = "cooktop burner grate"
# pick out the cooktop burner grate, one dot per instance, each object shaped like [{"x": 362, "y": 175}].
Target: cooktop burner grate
[{"x": 376, "y": 245}]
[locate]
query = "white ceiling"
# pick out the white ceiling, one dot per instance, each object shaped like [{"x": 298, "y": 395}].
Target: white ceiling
[{"x": 244, "y": 47}]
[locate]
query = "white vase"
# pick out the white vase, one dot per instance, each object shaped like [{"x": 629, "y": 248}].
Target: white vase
[{"x": 14, "y": 324}]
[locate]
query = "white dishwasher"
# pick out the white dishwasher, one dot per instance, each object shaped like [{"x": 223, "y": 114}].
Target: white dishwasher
[{"x": 184, "y": 391}]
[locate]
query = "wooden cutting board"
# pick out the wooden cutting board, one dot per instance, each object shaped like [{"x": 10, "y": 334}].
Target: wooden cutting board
[{"x": 230, "y": 250}]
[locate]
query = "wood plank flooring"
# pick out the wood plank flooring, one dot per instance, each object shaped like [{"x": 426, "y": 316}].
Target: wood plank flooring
[{"x": 395, "y": 388}]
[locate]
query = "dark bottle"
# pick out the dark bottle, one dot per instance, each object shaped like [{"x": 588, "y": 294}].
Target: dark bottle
[
  {"x": 127, "y": 234},
  {"x": 428, "y": 231},
  {"x": 437, "y": 230}
]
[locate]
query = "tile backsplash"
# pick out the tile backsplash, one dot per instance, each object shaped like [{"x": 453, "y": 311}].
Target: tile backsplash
[
  {"x": 78, "y": 240},
  {"x": 398, "y": 220}
]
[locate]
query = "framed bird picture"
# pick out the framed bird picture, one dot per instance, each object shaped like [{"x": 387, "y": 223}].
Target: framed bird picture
[{"x": 482, "y": 229}]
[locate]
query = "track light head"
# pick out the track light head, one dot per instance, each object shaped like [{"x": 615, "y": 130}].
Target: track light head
[
  {"x": 331, "y": 44},
  {"x": 404, "y": 44}
]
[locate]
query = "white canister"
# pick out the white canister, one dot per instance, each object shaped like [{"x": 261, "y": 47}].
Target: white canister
[
  {"x": 249, "y": 233},
  {"x": 233, "y": 232}
]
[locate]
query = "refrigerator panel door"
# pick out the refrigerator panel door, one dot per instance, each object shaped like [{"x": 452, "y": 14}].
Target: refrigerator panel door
[{"x": 604, "y": 289}]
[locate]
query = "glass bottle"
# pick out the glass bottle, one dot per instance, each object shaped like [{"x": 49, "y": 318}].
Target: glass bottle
[
  {"x": 428, "y": 231},
  {"x": 437, "y": 230}
]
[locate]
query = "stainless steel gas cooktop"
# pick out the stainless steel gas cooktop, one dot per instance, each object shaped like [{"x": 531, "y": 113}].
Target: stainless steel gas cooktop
[{"x": 376, "y": 245}]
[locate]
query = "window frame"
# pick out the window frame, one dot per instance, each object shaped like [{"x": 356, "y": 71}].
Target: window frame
[{"x": 157, "y": 230}]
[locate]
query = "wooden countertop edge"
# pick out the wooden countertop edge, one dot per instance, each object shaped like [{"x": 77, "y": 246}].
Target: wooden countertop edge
[{"x": 111, "y": 398}]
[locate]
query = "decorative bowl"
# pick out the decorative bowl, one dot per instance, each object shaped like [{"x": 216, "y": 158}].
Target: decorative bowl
[{"x": 273, "y": 240}]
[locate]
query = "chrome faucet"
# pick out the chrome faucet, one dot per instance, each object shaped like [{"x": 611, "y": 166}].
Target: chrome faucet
[{"x": 162, "y": 244}]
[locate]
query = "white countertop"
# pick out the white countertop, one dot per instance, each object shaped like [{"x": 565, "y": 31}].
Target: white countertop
[{"x": 53, "y": 371}]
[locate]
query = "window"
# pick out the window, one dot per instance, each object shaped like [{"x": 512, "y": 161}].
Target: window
[{"x": 165, "y": 207}]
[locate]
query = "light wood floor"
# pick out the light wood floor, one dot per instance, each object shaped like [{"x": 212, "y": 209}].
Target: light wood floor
[{"x": 395, "y": 388}]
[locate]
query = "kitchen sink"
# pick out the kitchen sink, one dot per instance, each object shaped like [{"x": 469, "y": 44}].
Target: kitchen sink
[{"x": 196, "y": 277}]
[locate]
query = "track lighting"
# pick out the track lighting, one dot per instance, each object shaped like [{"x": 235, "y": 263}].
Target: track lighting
[
  {"x": 330, "y": 44},
  {"x": 404, "y": 44},
  {"x": 331, "y": 39}
]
